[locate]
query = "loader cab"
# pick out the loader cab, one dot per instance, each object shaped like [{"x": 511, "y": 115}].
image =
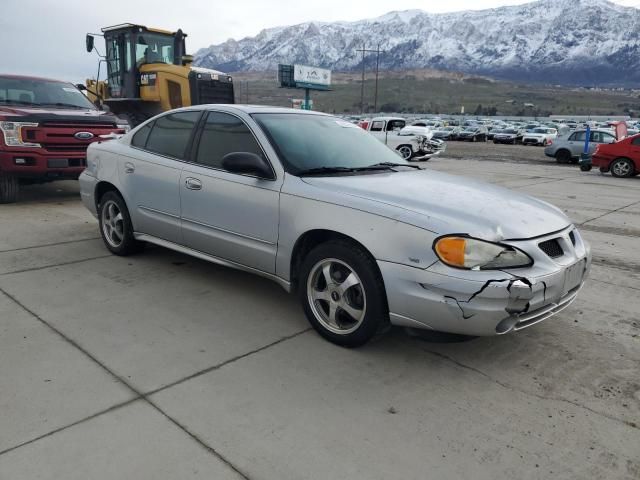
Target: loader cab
[{"x": 129, "y": 47}]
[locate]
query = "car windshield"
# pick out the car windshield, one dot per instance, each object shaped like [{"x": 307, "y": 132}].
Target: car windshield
[
  {"x": 510, "y": 130},
  {"x": 470, "y": 129},
  {"x": 42, "y": 93},
  {"x": 540, "y": 130},
  {"x": 306, "y": 142}
]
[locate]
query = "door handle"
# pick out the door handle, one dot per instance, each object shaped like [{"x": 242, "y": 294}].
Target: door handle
[
  {"x": 129, "y": 167},
  {"x": 193, "y": 183}
]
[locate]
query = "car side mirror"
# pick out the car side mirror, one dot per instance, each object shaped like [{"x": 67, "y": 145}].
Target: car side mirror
[
  {"x": 89, "y": 41},
  {"x": 105, "y": 108},
  {"x": 81, "y": 87},
  {"x": 247, "y": 163}
]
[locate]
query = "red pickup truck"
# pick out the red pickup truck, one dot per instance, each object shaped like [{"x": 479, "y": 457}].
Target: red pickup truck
[{"x": 45, "y": 128}]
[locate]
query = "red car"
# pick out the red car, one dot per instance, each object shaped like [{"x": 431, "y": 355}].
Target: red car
[{"x": 621, "y": 158}]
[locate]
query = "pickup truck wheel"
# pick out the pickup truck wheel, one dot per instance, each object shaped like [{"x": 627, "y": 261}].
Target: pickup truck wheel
[
  {"x": 563, "y": 156},
  {"x": 405, "y": 151},
  {"x": 115, "y": 225},
  {"x": 8, "y": 188},
  {"x": 622, "y": 168},
  {"x": 343, "y": 294}
]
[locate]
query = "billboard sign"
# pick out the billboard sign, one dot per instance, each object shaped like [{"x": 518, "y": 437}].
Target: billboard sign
[{"x": 306, "y": 75}]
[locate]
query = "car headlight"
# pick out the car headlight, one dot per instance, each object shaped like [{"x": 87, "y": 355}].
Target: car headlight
[
  {"x": 12, "y": 132},
  {"x": 473, "y": 254}
]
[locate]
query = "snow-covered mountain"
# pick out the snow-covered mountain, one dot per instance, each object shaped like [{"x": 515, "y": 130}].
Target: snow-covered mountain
[{"x": 555, "y": 41}]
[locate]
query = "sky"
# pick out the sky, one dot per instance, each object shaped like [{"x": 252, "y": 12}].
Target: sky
[{"x": 46, "y": 37}]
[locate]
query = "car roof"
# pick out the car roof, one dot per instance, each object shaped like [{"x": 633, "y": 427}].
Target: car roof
[
  {"x": 29, "y": 77},
  {"x": 388, "y": 118},
  {"x": 249, "y": 109}
]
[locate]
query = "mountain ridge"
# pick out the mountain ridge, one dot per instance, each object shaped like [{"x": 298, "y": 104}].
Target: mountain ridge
[{"x": 572, "y": 42}]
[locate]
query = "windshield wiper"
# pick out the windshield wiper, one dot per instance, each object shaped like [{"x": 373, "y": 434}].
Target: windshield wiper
[
  {"x": 325, "y": 170},
  {"x": 383, "y": 165}
]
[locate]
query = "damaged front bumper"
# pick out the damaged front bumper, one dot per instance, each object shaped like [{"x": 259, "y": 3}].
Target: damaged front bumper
[{"x": 483, "y": 303}]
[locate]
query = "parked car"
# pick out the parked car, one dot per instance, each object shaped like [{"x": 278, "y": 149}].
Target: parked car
[
  {"x": 447, "y": 133},
  {"x": 568, "y": 149},
  {"x": 433, "y": 124},
  {"x": 363, "y": 238},
  {"x": 411, "y": 143},
  {"x": 621, "y": 158},
  {"x": 508, "y": 135},
  {"x": 45, "y": 128},
  {"x": 477, "y": 133},
  {"x": 539, "y": 136}
]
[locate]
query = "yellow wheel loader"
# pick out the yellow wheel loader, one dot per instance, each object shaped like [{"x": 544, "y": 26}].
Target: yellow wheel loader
[{"x": 148, "y": 73}]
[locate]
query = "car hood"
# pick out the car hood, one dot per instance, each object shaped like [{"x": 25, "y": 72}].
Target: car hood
[
  {"x": 34, "y": 113},
  {"x": 505, "y": 135},
  {"x": 445, "y": 203}
]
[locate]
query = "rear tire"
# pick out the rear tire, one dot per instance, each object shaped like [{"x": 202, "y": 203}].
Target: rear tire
[
  {"x": 9, "y": 187},
  {"x": 563, "y": 156},
  {"x": 622, "y": 168},
  {"x": 115, "y": 225},
  {"x": 342, "y": 293},
  {"x": 585, "y": 168}
]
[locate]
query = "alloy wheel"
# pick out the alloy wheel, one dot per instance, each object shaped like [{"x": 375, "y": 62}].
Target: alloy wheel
[
  {"x": 621, "y": 168},
  {"x": 336, "y": 296},
  {"x": 405, "y": 152},
  {"x": 112, "y": 224}
]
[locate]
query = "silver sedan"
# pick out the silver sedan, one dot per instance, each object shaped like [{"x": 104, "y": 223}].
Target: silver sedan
[{"x": 364, "y": 239}]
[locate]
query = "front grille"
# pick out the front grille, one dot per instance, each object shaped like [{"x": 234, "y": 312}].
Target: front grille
[
  {"x": 552, "y": 248},
  {"x": 214, "y": 91},
  {"x": 65, "y": 147},
  {"x": 78, "y": 125},
  {"x": 66, "y": 162}
]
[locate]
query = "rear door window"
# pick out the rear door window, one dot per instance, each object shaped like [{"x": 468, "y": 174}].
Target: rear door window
[
  {"x": 578, "y": 137},
  {"x": 171, "y": 133},
  {"x": 140, "y": 137}
]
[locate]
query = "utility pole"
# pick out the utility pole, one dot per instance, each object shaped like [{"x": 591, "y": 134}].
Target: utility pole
[
  {"x": 364, "y": 51},
  {"x": 375, "y": 101}
]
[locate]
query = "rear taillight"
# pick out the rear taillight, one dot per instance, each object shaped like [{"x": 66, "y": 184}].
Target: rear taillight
[{"x": 549, "y": 142}]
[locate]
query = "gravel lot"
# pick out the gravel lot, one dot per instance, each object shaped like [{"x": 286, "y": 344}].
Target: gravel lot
[{"x": 161, "y": 366}]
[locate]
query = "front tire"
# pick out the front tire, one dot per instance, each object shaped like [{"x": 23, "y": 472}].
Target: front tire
[
  {"x": 405, "y": 151},
  {"x": 622, "y": 168},
  {"x": 342, "y": 293},
  {"x": 115, "y": 225},
  {"x": 9, "y": 187}
]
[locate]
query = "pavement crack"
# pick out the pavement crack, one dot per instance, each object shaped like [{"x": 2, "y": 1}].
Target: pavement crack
[
  {"x": 527, "y": 392},
  {"x": 49, "y": 244},
  {"x": 77, "y": 422},
  {"x": 44, "y": 267},
  {"x": 226, "y": 362},
  {"x": 609, "y": 213},
  {"x": 137, "y": 394}
]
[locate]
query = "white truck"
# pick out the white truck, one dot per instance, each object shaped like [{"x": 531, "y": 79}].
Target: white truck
[{"x": 411, "y": 142}]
